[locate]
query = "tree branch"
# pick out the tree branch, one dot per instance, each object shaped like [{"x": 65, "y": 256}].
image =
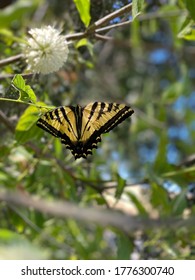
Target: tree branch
[
  {"x": 97, "y": 28},
  {"x": 98, "y": 24},
  {"x": 65, "y": 209},
  {"x": 10, "y": 59},
  {"x": 108, "y": 18}
]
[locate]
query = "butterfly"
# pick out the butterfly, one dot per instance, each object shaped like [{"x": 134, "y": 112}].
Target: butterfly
[{"x": 80, "y": 128}]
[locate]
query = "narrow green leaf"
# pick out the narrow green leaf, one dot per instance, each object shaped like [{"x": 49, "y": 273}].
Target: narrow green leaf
[
  {"x": 25, "y": 91},
  {"x": 31, "y": 93},
  {"x": 160, "y": 165},
  {"x": 124, "y": 247},
  {"x": 179, "y": 203},
  {"x": 81, "y": 43},
  {"x": 137, "y": 7},
  {"x": 137, "y": 203},
  {"x": 190, "y": 5},
  {"x": 57, "y": 148},
  {"x": 120, "y": 187},
  {"x": 173, "y": 92},
  {"x": 83, "y": 7},
  {"x": 80, "y": 241},
  {"x": 160, "y": 199}
]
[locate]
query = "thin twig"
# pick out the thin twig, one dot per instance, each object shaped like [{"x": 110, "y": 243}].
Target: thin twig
[
  {"x": 26, "y": 103},
  {"x": 179, "y": 172},
  {"x": 106, "y": 28},
  {"x": 11, "y": 76},
  {"x": 67, "y": 210},
  {"x": 103, "y": 37},
  {"x": 10, "y": 60},
  {"x": 108, "y": 18},
  {"x": 97, "y": 25},
  {"x": 75, "y": 36}
]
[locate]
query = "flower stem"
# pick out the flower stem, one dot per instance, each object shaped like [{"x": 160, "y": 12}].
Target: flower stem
[{"x": 26, "y": 103}]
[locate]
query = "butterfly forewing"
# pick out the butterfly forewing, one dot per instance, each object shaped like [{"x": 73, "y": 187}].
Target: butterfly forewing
[{"x": 105, "y": 116}]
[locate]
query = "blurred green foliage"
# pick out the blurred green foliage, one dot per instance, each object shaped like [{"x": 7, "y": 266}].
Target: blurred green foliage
[{"x": 149, "y": 63}]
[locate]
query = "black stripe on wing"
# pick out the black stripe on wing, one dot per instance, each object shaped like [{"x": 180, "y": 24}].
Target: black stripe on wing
[
  {"x": 48, "y": 128},
  {"x": 119, "y": 117},
  {"x": 51, "y": 129},
  {"x": 51, "y": 121},
  {"x": 92, "y": 112}
]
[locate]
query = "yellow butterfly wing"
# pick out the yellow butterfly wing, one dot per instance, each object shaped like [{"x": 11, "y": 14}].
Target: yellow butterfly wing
[{"x": 80, "y": 128}]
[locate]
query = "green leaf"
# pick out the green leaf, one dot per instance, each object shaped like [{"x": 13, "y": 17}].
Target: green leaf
[
  {"x": 177, "y": 88},
  {"x": 187, "y": 30},
  {"x": 81, "y": 43},
  {"x": 179, "y": 203},
  {"x": 190, "y": 5},
  {"x": 80, "y": 242},
  {"x": 120, "y": 187},
  {"x": 83, "y": 7},
  {"x": 58, "y": 148},
  {"x": 160, "y": 199},
  {"x": 26, "y": 128},
  {"x": 137, "y": 203},
  {"x": 160, "y": 164},
  {"x": 29, "y": 117},
  {"x": 137, "y": 7},
  {"x": 124, "y": 247},
  {"x": 5, "y": 33},
  {"x": 25, "y": 91},
  {"x": 173, "y": 92},
  {"x": 85, "y": 43},
  {"x": 24, "y": 136}
]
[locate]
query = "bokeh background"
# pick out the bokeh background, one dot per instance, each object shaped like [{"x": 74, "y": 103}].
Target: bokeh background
[{"x": 144, "y": 168}]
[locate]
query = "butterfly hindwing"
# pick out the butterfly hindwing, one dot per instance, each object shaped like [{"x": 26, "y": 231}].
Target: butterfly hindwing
[{"x": 80, "y": 128}]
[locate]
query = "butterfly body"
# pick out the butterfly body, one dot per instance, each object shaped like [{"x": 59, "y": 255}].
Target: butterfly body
[{"x": 80, "y": 128}]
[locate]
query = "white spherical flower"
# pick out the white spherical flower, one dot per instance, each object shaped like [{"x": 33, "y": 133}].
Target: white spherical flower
[{"x": 46, "y": 50}]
